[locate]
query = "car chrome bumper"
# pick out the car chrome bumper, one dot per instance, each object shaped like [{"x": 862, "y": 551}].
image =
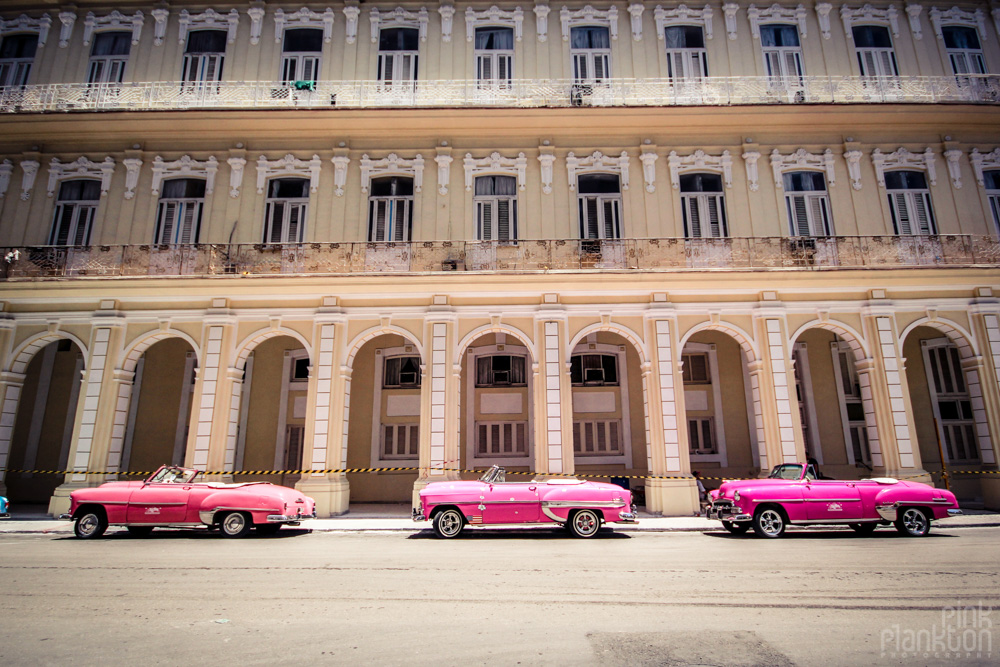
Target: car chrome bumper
[
  {"x": 727, "y": 512},
  {"x": 5, "y": 515},
  {"x": 627, "y": 517},
  {"x": 289, "y": 518},
  {"x": 65, "y": 517},
  {"x": 954, "y": 512},
  {"x": 418, "y": 513}
]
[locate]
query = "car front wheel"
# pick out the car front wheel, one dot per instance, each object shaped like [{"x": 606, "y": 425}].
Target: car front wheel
[
  {"x": 90, "y": 524},
  {"x": 235, "y": 524},
  {"x": 913, "y": 522},
  {"x": 736, "y": 528},
  {"x": 584, "y": 523},
  {"x": 769, "y": 522},
  {"x": 448, "y": 523}
]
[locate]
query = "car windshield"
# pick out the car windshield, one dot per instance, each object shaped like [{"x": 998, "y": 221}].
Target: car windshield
[
  {"x": 173, "y": 475},
  {"x": 787, "y": 471},
  {"x": 494, "y": 475}
]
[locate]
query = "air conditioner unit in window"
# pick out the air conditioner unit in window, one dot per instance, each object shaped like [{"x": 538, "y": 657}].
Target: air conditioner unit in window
[
  {"x": 593, "y": 376},
  {"x": 407, "y": 378},
  {"x": 501, "y": 377}
]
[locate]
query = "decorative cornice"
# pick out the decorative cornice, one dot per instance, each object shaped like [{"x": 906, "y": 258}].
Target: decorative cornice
[
  {"x": 597, "y": 162},
  {"x": 185, "y": 167},
  {"x": 983, "y": 161},
  {"x": 288, "y": 166},
  {"x": 389, "y": 165},
  {"x": 210, "y": 19},
  {"x": 776, "y": 13},
  {"x": 802, "y": 159},
  {"x": 41, "y": 25},
  {"x": 869, "y": 14},
  {"x": 957, "y": 16},
  {"x": 700, "y": 161},
  {"x": 903, "y": 159},
  {"x": 113, "y": 20},
  {"x": 81, "y": 168},
  {"x": 304, "y": 18},
  {"x": 495, "y": 163},
  {"x": 588, "y": 16},
  {"x": 681, "y": 15},
  {"x": 494, "y": 16},
  {"x": 398, "y": 17}
]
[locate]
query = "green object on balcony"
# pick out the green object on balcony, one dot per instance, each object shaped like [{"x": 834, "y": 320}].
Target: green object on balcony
[{"x": 304, "y": 85}]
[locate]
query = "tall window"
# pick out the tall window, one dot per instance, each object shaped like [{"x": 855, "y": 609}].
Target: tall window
[
  {"x": 204, "y": 55},
  {"x": 593, "y": 370},
  {"x": 390, "y": 209},
  {"x": 397, "y": 54},
  {"x": 703, "y": 206},
  {"x": 286, "y": 208},
  {"x": 17, "y": 52},
  {"x": 301, "y": 52},
  {"x": 782, "y": 52},
  {"x": 807, "y": 203},
  {"x": 178, "y": 219},
  {"x": 687, "y": 59},
  {"x": 75, "y": 211},
  {"x": 952, "y": 405},
  {"x": 401, "y": 372},
  {"x": 851, "y": 403},
  {"x": 590, "y": 48},
  {"x": 600, "y": 203},
  {"x": 496, "y": 208},
  {"x": 494, "y": 56},
  {"x": 910, "y": 202},
  {"x": 109, "y": 56},
  {"x": 991, "y": 179},
  {"x": 875, "y": 54},
  {"x": 964, "y": 50},
  {"x": 500, "y": 370}
]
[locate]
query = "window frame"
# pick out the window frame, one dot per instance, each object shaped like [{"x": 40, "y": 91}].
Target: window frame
[
  {"x": 688, "y": 58},
  {"x": 933, "y": 350},
  {"x": 183, "y": 205},
  {"x": 700, "y": 201},
  {"x": 782, "y": 55},
  {"x": 603, "y": 203},
  {"x": 993, "y": 196},
  {"x": 816, "y": 203},
  {"x": 878, "y": 55},
  {"x": 15, "y": 72},
  {"x": 910, "y": 198},
  {"x": 499, "y": 59},
  {"x": 394, "y": 220},
  {"x": 111, "y": 67},
  {"x": 481, "y": 203},
  {"x": 288, "y": 206},
  {"x": 299, "y": 59},
  {"x": 590, "y": 57},
  {"x": 387, "y": 56},
  {"x": 970, "y": 55},
  {"x": 202, "y": 62},
  {"x": 75, "y": 209}
]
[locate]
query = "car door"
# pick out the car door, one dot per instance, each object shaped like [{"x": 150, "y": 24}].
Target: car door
[
  {"x": 158, "y": 503},
  {"x": 511, "y": 502},
  {"x": 831, "y": 500}
]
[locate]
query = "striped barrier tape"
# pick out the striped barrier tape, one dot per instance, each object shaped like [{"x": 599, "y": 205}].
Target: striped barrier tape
[{"x": 415, "y": 469}]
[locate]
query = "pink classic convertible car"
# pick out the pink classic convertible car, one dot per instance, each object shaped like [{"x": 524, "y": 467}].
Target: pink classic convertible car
[
  {"x": 577, "y": 505},
  {"x": 792, "y": 494},
  {"x": 171, "y": 497}
]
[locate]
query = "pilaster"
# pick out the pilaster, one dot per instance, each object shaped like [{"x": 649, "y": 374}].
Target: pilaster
[
  {"x": 554, "y": 433},
  {"x": 986, "y": 327},
  {"x": 776, "y": 386},
  {"x": 214, "y": 390}
]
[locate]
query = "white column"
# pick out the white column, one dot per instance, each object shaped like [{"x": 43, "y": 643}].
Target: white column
[
  {"x": 553, "y": 397},
  {"x": 11, "y": 385}
]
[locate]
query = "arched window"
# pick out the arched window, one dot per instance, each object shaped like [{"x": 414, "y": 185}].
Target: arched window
[
  {"x": 109, "y": 56},
  {"x": 204, "y": 55},
  {"x": 390, "y": 209},
  {"x": 76, "y": 207},
  {"x": 496, "y": 208},
  {"x": 286, "y": 209},
  {"x": 807, "y": 203},
  {"x": 301, "y": 53},
  {"x": 910, "y": 202},
  {"x": 17, "y": 52},
  {"x": 178, "y": 219},
  {"x": 600, "y": 206},
  {"x": 703, "y": 206}
]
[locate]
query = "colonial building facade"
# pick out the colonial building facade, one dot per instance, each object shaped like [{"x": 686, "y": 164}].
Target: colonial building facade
[{"x": 624, "y": 239}]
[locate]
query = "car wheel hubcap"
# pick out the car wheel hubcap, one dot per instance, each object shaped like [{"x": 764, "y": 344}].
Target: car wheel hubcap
[
  {"x": 586, "y": 523},
  {"x": 234, "y": 523},
  {"x": 450, "y": 523},
  {"x": 88, "y": 524},
  {"x": 771, "y": 522},
  {"x": 915, "y": 521}
]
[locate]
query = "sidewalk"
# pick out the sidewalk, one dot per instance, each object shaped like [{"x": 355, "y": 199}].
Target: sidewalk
[{"x": 389, "y": 518}]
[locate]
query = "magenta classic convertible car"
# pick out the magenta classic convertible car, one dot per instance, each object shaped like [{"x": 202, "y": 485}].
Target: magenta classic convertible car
[
  {"x": 580, "y": 506},
  {"x": 171, "y": 498},
  {"x": 792, "y": 494}
]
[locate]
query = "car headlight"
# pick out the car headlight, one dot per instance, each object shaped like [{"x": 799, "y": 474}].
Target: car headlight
[{"x": 736, "y": 496}]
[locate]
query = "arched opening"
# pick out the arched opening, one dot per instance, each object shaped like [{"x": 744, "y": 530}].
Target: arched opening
[
  {"x": 273, "y": 404},
  {"x": 828, "y": 390},
  {"x": 719, "y": 414},
  {"x": 160, "y": 407},
  {"x": 609, "y": 428},
  {"x": 948, "y": 413},
  {"x": 384, "y": 420},
  {"x": 497, "y": 420},
  {"x": 43, "y": 426}
]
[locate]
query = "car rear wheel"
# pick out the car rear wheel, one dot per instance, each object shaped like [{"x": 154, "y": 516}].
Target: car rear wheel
[
  {"x": 769, "y": 522},
  {"x": 139, "y": 531},
  {"x": 235, "y": 524},
  {"x": 864, "y": 528},
  {"x": 584, "y": 523},
  {"x": 448, "y": 523},
  {"x": 90, "y": 524},
  {"x": 913, "y": 522},
  {"x": 736, "y": 528}
]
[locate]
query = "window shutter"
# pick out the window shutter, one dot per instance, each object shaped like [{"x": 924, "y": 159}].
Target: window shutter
[
  {"x": 504, "y": 68},
  {"x": 773, "y": 60},
  {"x": 820, "y": 215},
  {"x": 378, "y": 215},
  {"x": 600, "y": 67},
  {"x": 310, "y": 68},
  {"x": 714, "y": 216},
  {"x": 189, "y": 222},
  {"x": 922, "y": 212},
  {"x": 387, "y": 61},
  {"x": 63, "y": 220},
  {"x": 800, "y": 215},
  {"x": 592, "y": 228},
  {"x": 694, "y": 217},
  {"x": 503, "y": 220},
  {"x": 867, "y": 61},
  {"x": 276, "y": 218},
  {"x": 288, "y": 67},
  {"x": 486, "y": 68},
  {"x": 85, "y": 217},
  {"x": 901, "y": 213},
  {"x": 168, "y": 216},
  {"x": 675, "y": 62},
  {"x": 888, "y": 63},
  {"x": 610, "y": 219},
  {"x": 96, "y": 70},
  {"x": 580, "y": 65},
  {"x": 399, "y": 222},
  {"x": 295, "y": 214},
  {"x": 486, "y": 220},
  {"x": 213, "y": 68}
]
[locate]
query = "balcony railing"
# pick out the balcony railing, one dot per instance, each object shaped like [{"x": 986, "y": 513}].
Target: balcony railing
[
  {"x": 629, "y": 255},
  {"x": 714, "y": 91}
]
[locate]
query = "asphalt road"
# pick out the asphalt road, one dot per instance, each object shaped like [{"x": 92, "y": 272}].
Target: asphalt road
[{"x": 531, "y": 597}]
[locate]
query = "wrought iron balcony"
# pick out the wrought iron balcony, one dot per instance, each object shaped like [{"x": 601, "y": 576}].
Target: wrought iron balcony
[
  {"x": 536, "y": 256},
  {"x": 525, "y": 93}
]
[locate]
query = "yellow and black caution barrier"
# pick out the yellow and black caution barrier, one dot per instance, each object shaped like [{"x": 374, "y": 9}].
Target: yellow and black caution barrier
[{"x": 332, "y": 471}]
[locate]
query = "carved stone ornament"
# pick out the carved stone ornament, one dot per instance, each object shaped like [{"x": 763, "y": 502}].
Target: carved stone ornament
[
  {"x": 185, "y": 167},
  {"x": 81, "y": 168},
  {"x": 542, "y": 22},
  {"x": 209, "y": 19},
  {"x": 29, "y": 170},
  {"x": 495, "y": 163},
  {"x": 983, "y": 161},
  {"x": 113, "y": 20},
  {"x": 776, "y": 14},
  {"x": 398, "y": 17},
  {"x": 236, "y": 166},
  {"x": 588, "y": 16},
  {"x": 6, "y": 169},
  {"x": 496, "y": 17},
  {"x": 41, "y": 25},
  {"x": 959, "y": 17},
  {"x": 340, "y": 163},
  {"x": 304, "y": 18},
  {"x": 681, "y": 15},
  {"x": 868, "y": 15},
  {"x": 288, "y": 166},
  {"x": 597, "y": 162},
  {"x": 903, "y": 159},
  {"x": 700, "y": 161},
  {"x": 802, "y": 160},
  {"x": 392, "y": 165}
]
